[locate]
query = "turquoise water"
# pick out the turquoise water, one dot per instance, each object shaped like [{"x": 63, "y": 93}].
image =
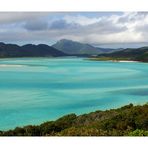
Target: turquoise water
[{"x": 34, "y": 90}]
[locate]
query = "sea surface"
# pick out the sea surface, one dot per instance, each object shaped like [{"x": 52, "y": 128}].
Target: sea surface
[{"x": 35, "y": 90}]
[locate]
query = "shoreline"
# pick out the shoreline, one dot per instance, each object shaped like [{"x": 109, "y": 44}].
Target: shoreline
[
  {"x": 87, "y": 58},
  {"x": 85, "y": 124},
  {"x": 124, "y": 61},
  {"x": 114, "y": 60}
]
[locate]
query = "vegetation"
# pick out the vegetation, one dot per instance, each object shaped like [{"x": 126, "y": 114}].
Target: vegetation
[
  {"x": 139, "y": 54},
  {"x": 125, "y": 121},
  {"x": 138, "y": 132},
  {"x": 109, "y": 59},
  {"x": 71, "y": 48},
  {"x": 29, "y": 50}
]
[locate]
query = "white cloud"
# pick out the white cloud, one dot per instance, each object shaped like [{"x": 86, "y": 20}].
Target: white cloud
[
  {"x": 82, "y": 20},
  {"x": 38, "y": 27}
]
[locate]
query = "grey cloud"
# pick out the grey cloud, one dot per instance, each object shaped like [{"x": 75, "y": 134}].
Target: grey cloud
[
  {"x": 16, "y": 17},
  {"x": 106, "y": 27},
  {"x": 103, "y": 27},
  {"x": 62, "y": 24},
  {"x": 143, "y": 28},
  {"x": 42, "y": 31},
  {"x": 36, "y": 25},
  {"x": 133, "y": 16},
  {"x": 142, "y": 13},
  {"x": 59, "y": 24},
  {"x": 100, "y": 28}
]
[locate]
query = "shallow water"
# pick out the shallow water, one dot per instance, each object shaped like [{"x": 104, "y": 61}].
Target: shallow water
[{"x": 34, "y": 90}]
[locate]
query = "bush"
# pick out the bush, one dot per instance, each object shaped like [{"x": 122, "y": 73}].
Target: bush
[{"x": 138, "y": 132}]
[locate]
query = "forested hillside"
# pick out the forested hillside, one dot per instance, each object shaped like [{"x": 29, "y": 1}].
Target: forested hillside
[
  {"x": 139, "y": 54},
  {"x": 125, "y": 121},
  {"x": 29, "y": 50}
]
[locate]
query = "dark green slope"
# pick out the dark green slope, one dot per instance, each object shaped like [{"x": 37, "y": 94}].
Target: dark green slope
[
  {"x": 30, "y": 50},
  {"x": 143, "y": 57},
  {"x": 138, "y": 54}
]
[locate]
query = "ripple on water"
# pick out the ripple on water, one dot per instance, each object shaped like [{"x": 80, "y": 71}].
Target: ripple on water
[{"x": 34, "y": 90}]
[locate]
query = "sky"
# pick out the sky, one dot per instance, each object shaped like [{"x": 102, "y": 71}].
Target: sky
[{"x": 103, "y": 29}]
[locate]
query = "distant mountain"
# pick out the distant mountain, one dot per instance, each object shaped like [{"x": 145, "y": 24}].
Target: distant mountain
[
  {"x": 73, "y": 47},
  {"x": 67, "y": 47},
  {"x": 108, "y": 50},
  {"x": 29, "y": 50},
  {"x": 139, "y": 54}
]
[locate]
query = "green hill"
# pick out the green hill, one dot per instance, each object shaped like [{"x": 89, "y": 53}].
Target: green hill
[
  {"x": 29, "y": 50},
  {"x": 138, "y": 54}
]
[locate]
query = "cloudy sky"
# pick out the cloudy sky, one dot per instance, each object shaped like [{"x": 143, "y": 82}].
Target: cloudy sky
[{"x": 97, "y": 28}]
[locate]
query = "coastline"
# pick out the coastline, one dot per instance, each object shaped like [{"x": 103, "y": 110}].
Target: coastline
[
  {"x": 113, "y": 122},
  {"x": 122, "y": 60}
]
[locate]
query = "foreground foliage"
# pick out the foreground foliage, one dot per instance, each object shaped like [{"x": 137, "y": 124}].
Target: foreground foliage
[{"x": 126, "y": 121}]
